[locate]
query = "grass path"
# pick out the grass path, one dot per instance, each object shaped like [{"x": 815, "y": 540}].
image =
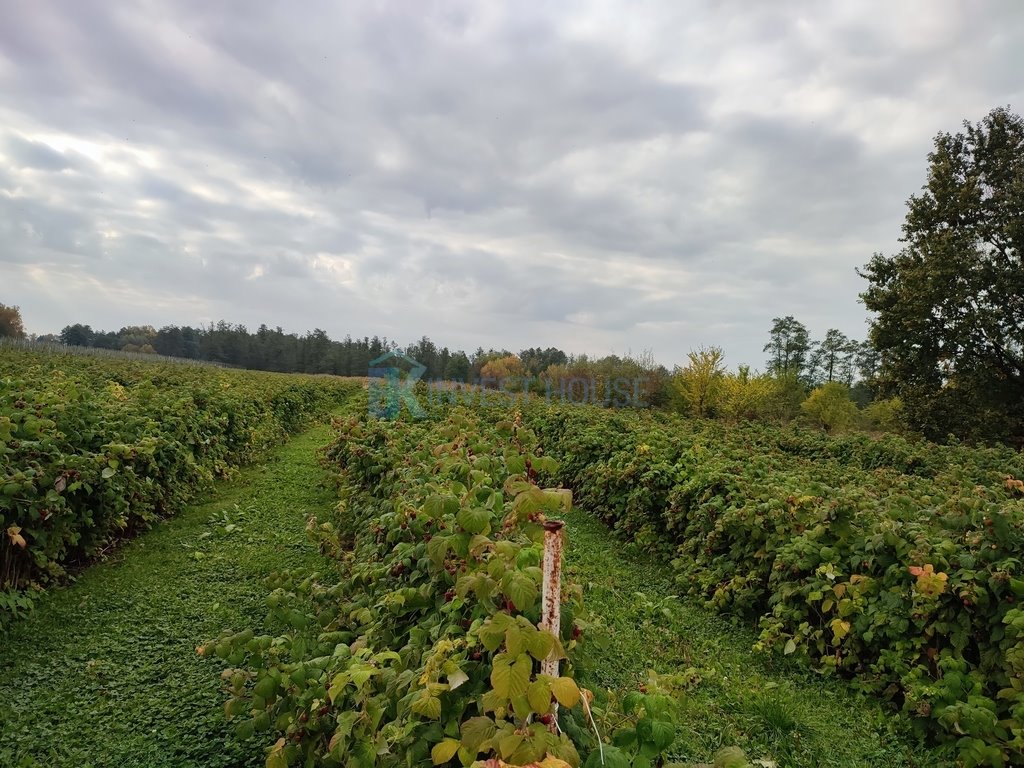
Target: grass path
[
  {"x": 105, "y": 673},
  {"x": 774, "y": 708}
]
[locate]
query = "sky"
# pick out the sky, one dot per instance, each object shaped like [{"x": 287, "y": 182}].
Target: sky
[{"x": 604, "y": 177}]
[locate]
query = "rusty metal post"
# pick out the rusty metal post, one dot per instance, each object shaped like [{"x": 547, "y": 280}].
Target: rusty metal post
[{"x": 552, "y": 589}]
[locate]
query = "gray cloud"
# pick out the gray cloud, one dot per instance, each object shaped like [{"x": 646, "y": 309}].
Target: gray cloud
[{"x": 599, "y": 176}]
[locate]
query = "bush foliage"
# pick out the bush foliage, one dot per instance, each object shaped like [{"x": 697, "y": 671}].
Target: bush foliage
[
  {"x": 94, "y": 449},
  {"x": 898, "y": 564}
]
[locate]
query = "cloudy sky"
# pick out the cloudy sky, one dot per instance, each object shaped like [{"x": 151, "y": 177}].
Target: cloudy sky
[{"x": 599, "y": 176}]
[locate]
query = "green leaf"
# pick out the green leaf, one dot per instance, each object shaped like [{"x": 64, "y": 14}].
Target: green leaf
[
  {"x": 521, "y": 590},
  {"x": 658, "y": 733},
  {"x": 508, "y": 744},
  {"x": 276, "y": 758},
  {"x": 444, "y": 751},
  {"x": 539, "y": 696},
  {"x": 474, "y": 519},
  {"x": 434, "y": 506},
  {"x": 493, "y": 631},
  {"x": 515, "y": 642},
  {"x": 731, "y": 757},
  {"x": 540, "y": 644},
  {"x": 613, "y": 758},
  {"x": 521, "y": 707},
  {"x": 428, "y": 706},
  {"x": 511, "y": 678},
  {"x": 437, "y": 548},
  {"x": 515, "y": 464},
  {"x": 266, "y": 687},
  {"x": 1017, "y": 585},
  {"x": 338, "y": 685},
  {"x": 246, "y": 729},
  {"x": 476, "y": 731}
]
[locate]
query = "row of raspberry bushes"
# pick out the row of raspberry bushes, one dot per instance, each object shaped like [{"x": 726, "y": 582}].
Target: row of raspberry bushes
[
  {"x": 93, "y": 449},
  {"x": 420, "y": 643},
  {"x": 896, "y": 563}
]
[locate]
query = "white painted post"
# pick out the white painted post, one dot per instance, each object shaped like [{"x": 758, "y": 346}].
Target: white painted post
[{"x": 552, "y": 590}]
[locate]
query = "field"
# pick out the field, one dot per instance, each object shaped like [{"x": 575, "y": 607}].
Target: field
[{"x": 369, "y": 593}]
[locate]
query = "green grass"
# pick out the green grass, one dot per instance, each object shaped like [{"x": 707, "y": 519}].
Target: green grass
[
  {"x": 775, "y": 708},
  {"x": 105, "y": 672}
]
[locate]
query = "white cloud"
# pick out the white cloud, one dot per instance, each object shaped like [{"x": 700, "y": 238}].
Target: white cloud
[{"x": 600, "y": 176}]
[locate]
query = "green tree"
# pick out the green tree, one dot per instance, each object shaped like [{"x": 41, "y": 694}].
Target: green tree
[
  {"x": 457, "y": 368},
  {"x": 10, "y": 322},
  {"x": 134, "y": 338},
  {"x": 169, "y": 341},
  {"x": 884, "y": 415},
  {"x": 950, "y": 306},
  {"x": 76, "y": 335},
  {"x": 834, "y": 358},
  {"x": 699, "y": 382},
  {"x": 830, "y": 407},
  {"x": 789, "y": 346},
  {"x": 426, "y": 353},
  {"x": 536, "y": 360}
]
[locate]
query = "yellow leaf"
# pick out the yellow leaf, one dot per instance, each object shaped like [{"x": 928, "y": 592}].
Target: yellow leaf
[
  {"x": 840, "y": 628},
  {"x": 566, "y": 691},
  {"x": 929, "y": 582},
  {"x": 276, "y": 758},
  {"x": 553, "y": 762},
  {"x": 14, "y": 534},
  {"x": 444, "y": 751}
]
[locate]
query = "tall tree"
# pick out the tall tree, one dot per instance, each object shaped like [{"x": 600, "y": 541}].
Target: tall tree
[
  {"x": 833, "y": 358},
  {"x": 11, "y": 323},
  {"x": 867, "y": 361},
  {"x": 457, "y": 368},
  {"x": 169, "y": 341},
  {"x": 699, "y": 382},
  {"x": 425, "y": 352},
  {"x": 950, "y": 305},
  {"x": 536, "y": 360},
  {"x": 137, "y": 338},
  {"x": 76, "y": 335},
  {"x": 788, "y": 347}
]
